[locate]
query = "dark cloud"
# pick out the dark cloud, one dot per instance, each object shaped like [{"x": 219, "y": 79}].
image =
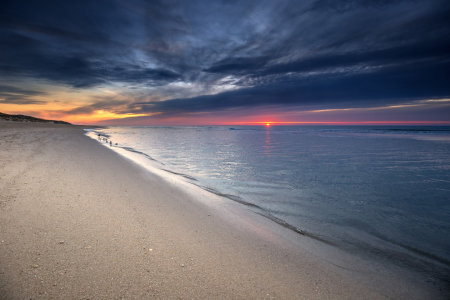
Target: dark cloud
[
  {"x": 78, "y": 43},
  {"x": 238, "y": 65},
  {"x": 30, "y": 57},
  {"x": 433, "y": 52},
  {"x": 248, "y": 53},
  {"x": 394, "y": 85},
  {"x": 349, "y": 5},
  {"x": 15, "y": 95},
  {"x": 110, "y": 105}
]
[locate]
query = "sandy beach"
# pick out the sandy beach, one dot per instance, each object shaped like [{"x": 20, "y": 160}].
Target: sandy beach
[{"x": 79, "y": 221}]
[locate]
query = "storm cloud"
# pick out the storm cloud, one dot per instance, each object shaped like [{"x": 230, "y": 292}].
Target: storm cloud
[
  {"x": 230, "y": 54},
  {"x": 14, "y": 95}
]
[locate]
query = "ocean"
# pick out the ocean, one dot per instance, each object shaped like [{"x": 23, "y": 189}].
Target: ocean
[{"x": 379, "y": 192}]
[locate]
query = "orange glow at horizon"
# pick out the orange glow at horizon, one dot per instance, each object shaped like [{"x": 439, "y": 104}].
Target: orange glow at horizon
[
  {"x": 62, "y": 111},
  {"x": 98, "y": 116},
  {"x": 59, "y": 111}
]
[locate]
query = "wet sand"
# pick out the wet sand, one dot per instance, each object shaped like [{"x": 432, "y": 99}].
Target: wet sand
[{"x": 79, "y": 221}]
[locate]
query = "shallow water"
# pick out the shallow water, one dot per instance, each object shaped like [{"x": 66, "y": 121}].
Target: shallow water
[{"x": 379, "y": 192}]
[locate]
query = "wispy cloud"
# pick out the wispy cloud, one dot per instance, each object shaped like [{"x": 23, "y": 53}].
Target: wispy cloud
[
  {"x": 16, "y": 95},
  {"x": 173, "y": 58}
]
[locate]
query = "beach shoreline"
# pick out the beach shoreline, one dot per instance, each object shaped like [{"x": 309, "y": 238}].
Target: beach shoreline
[{"x": 81, "y": 221}]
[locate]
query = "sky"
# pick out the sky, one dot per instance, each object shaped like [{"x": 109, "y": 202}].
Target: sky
[{"x": 206, "y": 62}]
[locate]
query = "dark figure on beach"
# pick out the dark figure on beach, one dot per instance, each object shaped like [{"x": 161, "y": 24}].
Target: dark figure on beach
[{"x": 110, "y": 143}]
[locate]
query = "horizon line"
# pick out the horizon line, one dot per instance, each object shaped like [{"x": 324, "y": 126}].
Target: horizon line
[{"x": 275, "y": 123}]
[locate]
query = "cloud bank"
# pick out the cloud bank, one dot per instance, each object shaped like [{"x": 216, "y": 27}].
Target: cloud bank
[{"x": 182, "y": 57}]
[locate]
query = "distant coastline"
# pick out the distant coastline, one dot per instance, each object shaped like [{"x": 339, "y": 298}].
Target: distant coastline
[{"x": 23, "y": 118}]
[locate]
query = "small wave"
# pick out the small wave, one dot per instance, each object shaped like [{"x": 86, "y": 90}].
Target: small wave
[
  {"x": 295, "y": 229},
  {"x": 410, "y": 131},
  {"x": 98, "y": 133},
  {"x": 139, "y": 152},
  {"x": 411, "y": 249},
  {"x": 418, "y": 131},
  {"x": 244, "y": 129},
  {"x": 265, "y": 214},
  {"x": 229, "y": 196},
  {"x": 181, "y": 174}
]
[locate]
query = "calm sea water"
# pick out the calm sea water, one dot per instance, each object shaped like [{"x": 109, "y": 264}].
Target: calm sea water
[{"x": 383, "y": 192}]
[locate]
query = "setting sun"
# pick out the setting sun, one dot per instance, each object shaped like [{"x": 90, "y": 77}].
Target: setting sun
[{"x": 267, "y": 124}]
